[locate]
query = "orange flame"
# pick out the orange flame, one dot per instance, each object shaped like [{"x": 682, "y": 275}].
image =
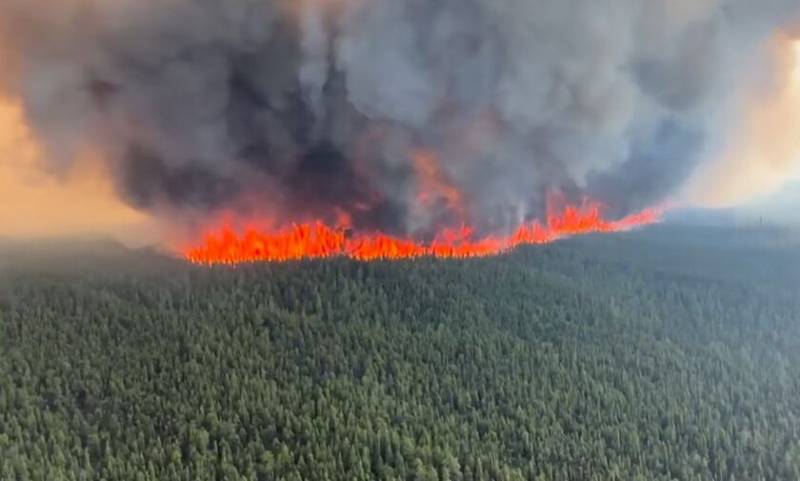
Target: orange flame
[
  {"x": 316, "y": 240},
  {"x": 434, "y": 184}
]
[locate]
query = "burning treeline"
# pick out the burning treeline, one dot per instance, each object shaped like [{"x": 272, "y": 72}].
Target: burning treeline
[
  {"x": 228, "y": 245},
  {"x": 395, "y": 123}
]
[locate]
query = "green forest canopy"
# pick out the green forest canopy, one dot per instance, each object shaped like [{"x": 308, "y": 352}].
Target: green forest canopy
[{"x": 668, "y": 354}]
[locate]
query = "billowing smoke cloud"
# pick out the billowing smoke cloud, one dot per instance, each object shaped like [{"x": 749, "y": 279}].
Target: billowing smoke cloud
[{"x": 318, "y": 107}]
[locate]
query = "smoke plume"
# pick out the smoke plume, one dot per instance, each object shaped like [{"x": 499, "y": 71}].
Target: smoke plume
[{"x": 321, "y": 108}]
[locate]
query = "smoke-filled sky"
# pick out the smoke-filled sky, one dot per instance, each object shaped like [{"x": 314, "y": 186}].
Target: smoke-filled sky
[
  {"x": 389, "y": 112},
  {"x": 34, "y": 203}
]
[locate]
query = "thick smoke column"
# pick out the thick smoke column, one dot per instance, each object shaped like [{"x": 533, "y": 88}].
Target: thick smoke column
[{"x": 317, "y": 108}]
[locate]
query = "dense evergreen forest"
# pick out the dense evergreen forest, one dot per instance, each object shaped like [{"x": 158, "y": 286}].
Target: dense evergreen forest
[{"x": 667, "y": 354}]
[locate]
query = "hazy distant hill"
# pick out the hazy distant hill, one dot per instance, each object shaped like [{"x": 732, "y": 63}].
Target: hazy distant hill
[
  {"x": 77, "y": 255},
  {"x": 777, "y": 209}
]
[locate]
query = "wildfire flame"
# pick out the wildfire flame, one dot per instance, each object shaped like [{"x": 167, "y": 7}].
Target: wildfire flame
[
  {"x": 434, "y": 184},
  {"x": 317, "y": 240}
]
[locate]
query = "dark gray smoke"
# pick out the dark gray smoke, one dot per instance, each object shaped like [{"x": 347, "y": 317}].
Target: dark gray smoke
[{"x": 300, "y": 108}]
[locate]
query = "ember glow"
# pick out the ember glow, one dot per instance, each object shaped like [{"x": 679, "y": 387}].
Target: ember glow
[
  {"x": 317, "y": 240},
  {"x": 435, "y": 186}
]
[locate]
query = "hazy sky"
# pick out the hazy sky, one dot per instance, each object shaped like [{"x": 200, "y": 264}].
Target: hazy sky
[
  {"x": 34, "y": 203},
  {"x": 761, "y": 151}
]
